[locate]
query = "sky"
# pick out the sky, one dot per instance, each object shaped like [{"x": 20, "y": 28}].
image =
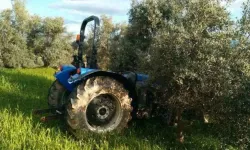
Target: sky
[{"x": 74, "y": 11}]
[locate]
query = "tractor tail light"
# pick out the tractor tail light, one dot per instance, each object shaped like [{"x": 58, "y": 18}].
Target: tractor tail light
[
  {"x": 78, "y": 71},
  {"x": 60, "y": 68},
  {"x": 78, "y": 37}
]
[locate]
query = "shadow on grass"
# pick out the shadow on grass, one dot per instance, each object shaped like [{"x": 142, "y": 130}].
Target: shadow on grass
[
  {"x": 27, "y": 92},
  {"x": 197, "y": 136}
]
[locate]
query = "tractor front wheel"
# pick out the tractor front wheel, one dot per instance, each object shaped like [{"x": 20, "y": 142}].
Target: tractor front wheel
[
  {"x": 100, "y": 105},
  {"x": 56, "y": 94}
]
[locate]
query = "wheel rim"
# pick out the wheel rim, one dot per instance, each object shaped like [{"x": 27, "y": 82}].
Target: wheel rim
[{"x": 103, "y": 113}]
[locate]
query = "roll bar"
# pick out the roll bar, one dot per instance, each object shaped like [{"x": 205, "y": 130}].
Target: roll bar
[{"x": 92, "y": 63}]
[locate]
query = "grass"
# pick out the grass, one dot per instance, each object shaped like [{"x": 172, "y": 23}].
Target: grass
[{"x": 22, "y": 90}]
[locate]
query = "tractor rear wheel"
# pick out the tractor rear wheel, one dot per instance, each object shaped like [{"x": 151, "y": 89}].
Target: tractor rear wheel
[{"x": 99, "y": 105}]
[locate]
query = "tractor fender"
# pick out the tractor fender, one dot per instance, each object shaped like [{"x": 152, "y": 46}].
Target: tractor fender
[{"x": 120, "y": 78}]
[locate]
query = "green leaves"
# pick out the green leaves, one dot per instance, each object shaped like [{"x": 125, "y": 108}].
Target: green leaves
[
  {"x": 191, "y": 54},
  {"x": 30, "y": 41}
]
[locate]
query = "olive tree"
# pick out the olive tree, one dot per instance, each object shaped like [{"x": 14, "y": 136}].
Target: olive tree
[
  {"x": 31, "y": 41},
  {"x": 196, "y": 55}
]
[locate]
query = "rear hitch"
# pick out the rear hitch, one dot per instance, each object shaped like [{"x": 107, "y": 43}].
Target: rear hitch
[
  {"x": 43, "y": 111},
  {"x": 53, "y": 114},
  {"x": 51, "y": 117}
]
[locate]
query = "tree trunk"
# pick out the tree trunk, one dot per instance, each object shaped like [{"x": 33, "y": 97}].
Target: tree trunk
[{"x": 180, "y": 126}]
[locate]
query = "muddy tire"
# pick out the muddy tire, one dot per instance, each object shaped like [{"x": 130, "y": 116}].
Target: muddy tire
[
  {"x": 99, "y": 105},
  {"x": 56, "y": 93}
]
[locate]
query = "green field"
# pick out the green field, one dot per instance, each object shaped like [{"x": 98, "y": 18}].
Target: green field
[{"x": 22, "y": 90}]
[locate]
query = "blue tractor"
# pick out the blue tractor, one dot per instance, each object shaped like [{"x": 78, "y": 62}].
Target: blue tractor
[{"x": 94, "y": 100}]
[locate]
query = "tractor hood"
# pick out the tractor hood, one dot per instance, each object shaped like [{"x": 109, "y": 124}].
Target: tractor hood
[{"x": 68, "y": 74}]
